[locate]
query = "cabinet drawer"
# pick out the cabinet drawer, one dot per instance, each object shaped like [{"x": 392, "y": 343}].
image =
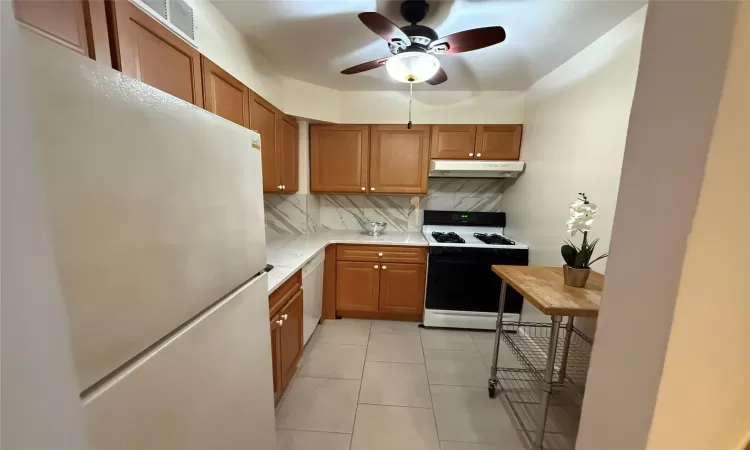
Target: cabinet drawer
[
  {"x": 376, "y": 253},
  {"x": 283, "y": 293}
]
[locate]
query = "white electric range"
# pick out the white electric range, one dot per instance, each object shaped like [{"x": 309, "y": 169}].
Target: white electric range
[{"x": 462, "y": 291}]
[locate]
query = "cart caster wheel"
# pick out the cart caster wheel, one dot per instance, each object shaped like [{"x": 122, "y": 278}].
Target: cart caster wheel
[{"x": 491, "y": 390}]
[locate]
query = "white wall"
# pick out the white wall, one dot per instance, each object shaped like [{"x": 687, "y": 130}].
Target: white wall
[
  {"x": 714, "y": 270},
  {"x": 432, "y": 107},
  {"x": 575, "y": 124},
  {"x": 651, "y": 279},
  {"x": 311, "y": 101}
]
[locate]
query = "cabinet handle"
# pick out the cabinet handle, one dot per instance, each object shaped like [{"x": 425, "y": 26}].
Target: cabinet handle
[
  {"x": 384, "y": 267},
  {"x": 283, "y": 187},
  {"x": 278, "y": 187},
  {"x": 380, "y": 254},
  {"x": 471, "y": 154},
  {"x": 376, "y": 266},
  {"x": 280, "y": 322},
  {"x": 478, "y": 155},
  {"x": 285, "y": 316},
  {"x": 372, "y": 188},
  {"x": 363, "y": 188}
]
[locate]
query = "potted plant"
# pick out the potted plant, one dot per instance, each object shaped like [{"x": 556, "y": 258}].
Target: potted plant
[{"x": 578, "y": 259}]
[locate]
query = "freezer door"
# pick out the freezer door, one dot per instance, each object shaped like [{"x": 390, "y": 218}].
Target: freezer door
[
  {"x": 208, "y": 387},
  {"x": 156, "y": 206}
]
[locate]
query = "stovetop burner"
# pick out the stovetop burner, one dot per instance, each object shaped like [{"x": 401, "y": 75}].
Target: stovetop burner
[
  {"x": 493, "y": 239},
  {"x": 448, "y": 237}
]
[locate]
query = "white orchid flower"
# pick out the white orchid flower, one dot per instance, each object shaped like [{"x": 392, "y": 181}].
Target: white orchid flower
[{"x": 581, "y": 216}]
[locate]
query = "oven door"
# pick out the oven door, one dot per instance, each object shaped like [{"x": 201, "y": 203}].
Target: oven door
[{"x": 464, "y": 281}]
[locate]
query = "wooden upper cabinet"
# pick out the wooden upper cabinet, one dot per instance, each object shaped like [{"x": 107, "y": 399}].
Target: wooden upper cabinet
[
  {"x": 80, "y": 25},
  {"x": 263, "y": 120},
  {"x": 357, "y": 286},
  {"x": 279, "y": 145},
  {"x": 288, "y": 152},
  {"x": 452, "y": 141},
  {"x": 290, "y": 332},
  {"x": 224, "y": 95},
  {"x": 498, "y": 142},
  {"x": 399, "y": 159},
  {"x": 150, "y": 52},
  {"x": 402, "y": 288},
  {"x": 339, "y": 158}
]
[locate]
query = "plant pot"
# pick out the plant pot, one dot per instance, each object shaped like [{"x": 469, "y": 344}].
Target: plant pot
[{"x": 575, "y": 277}]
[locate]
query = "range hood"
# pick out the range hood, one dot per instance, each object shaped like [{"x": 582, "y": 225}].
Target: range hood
[{"x": 450, "y": 168}]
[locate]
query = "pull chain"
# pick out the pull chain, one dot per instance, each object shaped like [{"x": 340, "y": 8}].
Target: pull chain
[{"x": 408, "y": 125}]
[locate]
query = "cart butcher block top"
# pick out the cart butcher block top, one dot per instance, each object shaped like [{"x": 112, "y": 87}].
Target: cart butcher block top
[{"x": 544, "y": 288}]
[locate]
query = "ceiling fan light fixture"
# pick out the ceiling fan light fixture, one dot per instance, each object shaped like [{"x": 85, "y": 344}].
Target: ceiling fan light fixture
[{"x": 412, "y": 66}]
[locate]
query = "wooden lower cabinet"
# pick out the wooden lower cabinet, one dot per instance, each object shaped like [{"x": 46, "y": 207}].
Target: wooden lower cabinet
[
  {"x": 286, "y": 335},
  {"x": 402, "y": 288},
  {"x": 329, "y": 283},
  {"x": 357, "y": 285},
  {"x": 291, "y": 337},
  {"x": 379, "y": 289},
  {"x": 276, "y": 355}
]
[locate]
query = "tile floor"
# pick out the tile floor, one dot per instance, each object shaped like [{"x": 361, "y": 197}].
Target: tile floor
[{"x": 382, "y": 385}]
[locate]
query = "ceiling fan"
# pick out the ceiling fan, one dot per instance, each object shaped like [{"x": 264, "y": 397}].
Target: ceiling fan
[{"x": 414, "y": 46}]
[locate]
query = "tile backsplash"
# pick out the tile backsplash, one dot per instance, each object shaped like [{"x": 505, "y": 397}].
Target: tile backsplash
[
  {"x": 307, "y": 213},
  {"x": 464, "y": 194},
  {"x": 349, "y": 212}
]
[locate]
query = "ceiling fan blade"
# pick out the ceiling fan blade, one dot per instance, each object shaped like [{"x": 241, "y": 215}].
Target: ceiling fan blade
[
  {"x": 383, "y": 27},
  {"x": 468, "y": 40},
  {"x": 439, "y": 77},
  {"x": 374, "y": 64}
]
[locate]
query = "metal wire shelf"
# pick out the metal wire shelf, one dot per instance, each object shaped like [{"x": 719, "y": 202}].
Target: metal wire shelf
[
  {"x": 522, "y": 391},
  {"x": 529, "y": 342}
]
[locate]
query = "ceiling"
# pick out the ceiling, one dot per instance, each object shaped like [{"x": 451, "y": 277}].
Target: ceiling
[{"x": 313, "y": 40}]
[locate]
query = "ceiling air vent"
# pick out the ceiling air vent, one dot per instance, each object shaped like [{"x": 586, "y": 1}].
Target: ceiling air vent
[
  {"x": 175, "y": 14},
  {"x": 181, "y": 17},
  {"x": 159, "y": 7}
]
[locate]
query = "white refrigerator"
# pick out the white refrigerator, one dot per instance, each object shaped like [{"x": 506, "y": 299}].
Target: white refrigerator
[{"x": 157, "y": 223}]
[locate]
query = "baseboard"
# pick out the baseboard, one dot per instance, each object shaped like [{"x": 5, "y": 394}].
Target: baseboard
[{"x": 379, "y": 315}]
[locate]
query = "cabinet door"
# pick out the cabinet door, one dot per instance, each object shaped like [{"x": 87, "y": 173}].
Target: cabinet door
[
  {"x": 80, "y": 25},
  {"x": 263, "y": 120},
  {"x": 276, "y": 354},
  {"x": 149, "y": 52},
  {"x": 339, "y": 158},
  {"x": 452, "y": 141},
  {"x": 399, "y": 159},
  {"x": 224, "y": 95},
  {"x": 402, "y": 288},
  {"x": 357, "y": 286},
  {"x": 288, "y": 147},
  {"x": 498, "y": 142},
  {"x": 291, "y": 337}
]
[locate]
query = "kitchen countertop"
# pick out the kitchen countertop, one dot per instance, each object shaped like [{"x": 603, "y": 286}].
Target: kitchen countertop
[
  {"x": 287, "y": 253},
  {"x": 544, "y": 288}
]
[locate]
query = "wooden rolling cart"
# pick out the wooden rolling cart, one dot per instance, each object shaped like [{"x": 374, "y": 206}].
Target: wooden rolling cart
[{"x": 545, "y": 395}]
